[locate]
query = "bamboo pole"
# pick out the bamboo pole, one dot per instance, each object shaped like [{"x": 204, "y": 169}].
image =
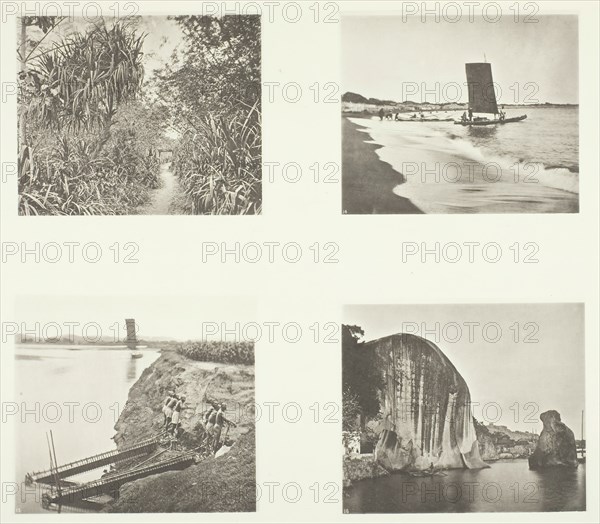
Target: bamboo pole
[
  {"x": 52, "y": 470},
  {"x": 22, "y": 51},
  {"x": 56, "y": 464}
]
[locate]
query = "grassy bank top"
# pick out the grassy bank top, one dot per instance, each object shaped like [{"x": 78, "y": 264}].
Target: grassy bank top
[{"x": 218, "y": 351}]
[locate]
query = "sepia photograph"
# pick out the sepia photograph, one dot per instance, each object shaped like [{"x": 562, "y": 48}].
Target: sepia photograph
[
  {"x": 152, "y": 412},
  {"x": 338, "y": 357},
  {"x": 467, "y": 116},
  {"x": 142, "y": 115},
  {"x": 463, "y": 408}
]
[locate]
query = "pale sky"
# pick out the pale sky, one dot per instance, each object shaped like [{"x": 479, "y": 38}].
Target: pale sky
[
  {"x": 380, "y": 55},
  {"x": 169, "y": 317},
  {"x": 549, "y": 373}
]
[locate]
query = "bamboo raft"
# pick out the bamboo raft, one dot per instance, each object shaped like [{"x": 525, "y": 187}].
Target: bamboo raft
[
  {"x": 113, "y": 482},
  {"x": 71, "y": 469}
]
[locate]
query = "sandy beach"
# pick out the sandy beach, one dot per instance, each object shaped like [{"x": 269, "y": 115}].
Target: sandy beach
[
  {"x": 431, "y": 167},
  {"x": 368, "y": 182}
]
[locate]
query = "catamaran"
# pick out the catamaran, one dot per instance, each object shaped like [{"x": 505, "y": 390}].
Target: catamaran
[{"x": 482, "y": 97}]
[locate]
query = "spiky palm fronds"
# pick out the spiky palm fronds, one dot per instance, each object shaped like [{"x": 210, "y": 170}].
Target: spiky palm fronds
[
  {"x": 82, "y": 163},
  {"x": 219, "y": 167},
  {"x": 69, "y": 179},
  {"x": 82, "y": 80}
]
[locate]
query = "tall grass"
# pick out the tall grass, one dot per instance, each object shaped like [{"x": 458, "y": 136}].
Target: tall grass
[
  {"x": 218, "y": 351},
  {"x": 67, "y": 177},
  {"x": 82, "y": 151},
  {"x": 219, "y": 165}
]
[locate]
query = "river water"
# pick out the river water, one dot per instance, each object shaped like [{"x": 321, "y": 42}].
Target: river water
[
  {"x": 76, "y": 393},
  {"x": 506, "y": 486}
]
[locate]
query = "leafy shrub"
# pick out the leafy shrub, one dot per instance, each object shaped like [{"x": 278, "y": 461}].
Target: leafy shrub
[
  {"x": 66, "y": 177},
  {"x": 87, "y": 145},
  {"x": 213, "y": 90},
  {"x": 218, "y": 351},
  {"x": 219, "y": 169}
]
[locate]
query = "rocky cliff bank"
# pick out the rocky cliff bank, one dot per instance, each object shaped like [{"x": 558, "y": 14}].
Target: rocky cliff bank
[
  {"x": 225, "y": 483},
  {"x": 499, "y": 442}
]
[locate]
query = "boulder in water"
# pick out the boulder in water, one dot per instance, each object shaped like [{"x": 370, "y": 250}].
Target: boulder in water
[
  {"x": 426, "y": 408},
  {"x": 556, "y": 445}
]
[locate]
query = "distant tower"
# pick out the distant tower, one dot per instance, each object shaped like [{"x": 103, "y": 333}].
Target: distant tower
[{"x": 131, "y": 335}]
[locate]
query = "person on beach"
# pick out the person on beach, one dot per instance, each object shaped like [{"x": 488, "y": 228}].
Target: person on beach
[
  {"x": 205, "y": 423},
  {"x": 167, "y": 412},
  {"x": 470, "y": 115},
  {"x": 211, "y": 418},
  {"x": 381, "y": 113},
  {"x": 207, "y": 415},
  {"x": 177, "y": 415},
  {"x": 463, "y": 118},
  {"x": 218, "y": 427}
]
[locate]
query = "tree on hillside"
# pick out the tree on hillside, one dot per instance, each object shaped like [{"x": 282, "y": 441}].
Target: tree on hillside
[
  {"x": 218, "y": 72},
  {"x": 361, "y": 380}
]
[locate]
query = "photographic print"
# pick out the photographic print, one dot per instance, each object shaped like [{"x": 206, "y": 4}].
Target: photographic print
[
  {"x": 139, "y": 115},
  {"x": 475, "y": 115},
  {"x": 144, "y": 413},
  {"x": 463, "y": 408}
]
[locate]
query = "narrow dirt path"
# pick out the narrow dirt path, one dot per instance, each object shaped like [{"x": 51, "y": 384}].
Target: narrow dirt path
[{"x": 164, "y": 200}]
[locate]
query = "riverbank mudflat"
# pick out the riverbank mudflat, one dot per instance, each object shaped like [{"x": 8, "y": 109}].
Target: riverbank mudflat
[{"x": 367, "y": 181}]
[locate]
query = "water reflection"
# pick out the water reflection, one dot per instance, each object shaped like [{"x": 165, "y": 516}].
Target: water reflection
[
  {"x": 132, "y": 369},
  {"x": 508, "y": 486},
  {"x": 482, "y": 131},
  {"x": 78, "y": 394}
]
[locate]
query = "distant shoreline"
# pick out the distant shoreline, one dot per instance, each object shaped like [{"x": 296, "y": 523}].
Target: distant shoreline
[
  {"x": 351, "y": 102},
  {"x": 63, "y": 345}
]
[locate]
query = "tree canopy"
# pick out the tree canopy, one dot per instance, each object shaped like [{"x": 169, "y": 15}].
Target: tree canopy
[{"x": 361, "y": 380}]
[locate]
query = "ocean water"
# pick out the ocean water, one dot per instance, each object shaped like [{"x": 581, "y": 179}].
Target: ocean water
[
  {"x": 507, "y": 486},
  {"x": 528, "y": 166},
  {"x": 76, "y": 393}
]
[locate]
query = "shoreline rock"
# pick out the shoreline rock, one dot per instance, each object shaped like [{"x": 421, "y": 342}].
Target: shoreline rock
[
  {"x": 358, "y": 468},
  {"x": 426, "y": 408},
  {"x": 556, "y": 445}
]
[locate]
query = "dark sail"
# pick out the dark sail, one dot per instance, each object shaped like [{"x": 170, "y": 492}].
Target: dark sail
[
  {"x": 131, "y": 338},
  {"x": 482, "y": 98}
]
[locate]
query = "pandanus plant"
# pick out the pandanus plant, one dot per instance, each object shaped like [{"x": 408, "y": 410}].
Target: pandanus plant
[
  {"x": 219, "y": 166},
  {"x": 70, "y": 95},
  {"x": 81, "y": 82}
]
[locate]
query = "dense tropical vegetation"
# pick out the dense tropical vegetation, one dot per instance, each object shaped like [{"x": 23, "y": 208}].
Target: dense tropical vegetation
[
  {"x": 214, "y": 90},
  {"x": 91, "y": 128},
  {"x": 218, "y": 351},
  {"x": 361, "y": 380}
]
